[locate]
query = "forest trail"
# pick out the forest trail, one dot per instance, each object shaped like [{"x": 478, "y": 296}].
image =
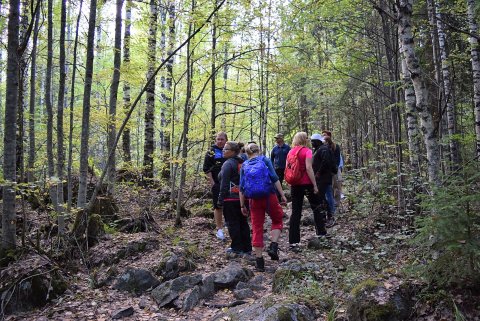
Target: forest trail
[{"x": 351, "y": 256}]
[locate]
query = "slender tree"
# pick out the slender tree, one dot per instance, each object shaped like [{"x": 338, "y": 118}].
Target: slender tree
[
  {"x": 82, "y": 188},
  {"x": 9, "y": 237},
  {"x": 112, "y": 132},
  {"x": 127, "y": 156}
]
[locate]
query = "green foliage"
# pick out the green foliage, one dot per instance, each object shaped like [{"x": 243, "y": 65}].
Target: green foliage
[{"x": 449, "y": 231}]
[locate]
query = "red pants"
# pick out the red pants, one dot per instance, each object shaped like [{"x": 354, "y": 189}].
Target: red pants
[{"x": 258, "y": 208}]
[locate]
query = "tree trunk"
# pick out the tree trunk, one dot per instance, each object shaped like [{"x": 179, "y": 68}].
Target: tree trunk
[
  {"x": 148, "y": 147},
  {"x": 61, "y": 105},
  {"x": 52, "y": 181},
  {"x": 447, "y": 87},
  {"x": 127, "y": 156},
  {"x": 82, "y": 188},
  {"x": 112, "y": 132},
  {"x": 72, "y": 96},
  {"x": 31, "y": 116},
  {"x": 9, "y": 237},
  {"x": 405, "y": 10},
  {"x": 475, "y": 52}
]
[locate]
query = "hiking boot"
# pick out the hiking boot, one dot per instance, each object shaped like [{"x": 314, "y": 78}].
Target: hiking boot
[
  {"x": 295, "y": 248},
  {"x": 220, "y": 235},
  {"x": 330, "y": 222},
  {"x": 260, "y": 264},
  {"x": 273, "y": 252}
]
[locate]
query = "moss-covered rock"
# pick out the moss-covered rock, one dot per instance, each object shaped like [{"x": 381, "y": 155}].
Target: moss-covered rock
[
  {"x": 290, "y": 271},
  {"x": 95, "y": 229},
  {"x": 167, "y": 267},
  {"x": 369, "y": 300}
]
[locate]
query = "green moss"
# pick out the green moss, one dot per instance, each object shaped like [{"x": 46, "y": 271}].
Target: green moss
[
  {"x": 381, "y": 312},
  {"x": 59, "y": 286},
  {"x": 366, "y": 285}
]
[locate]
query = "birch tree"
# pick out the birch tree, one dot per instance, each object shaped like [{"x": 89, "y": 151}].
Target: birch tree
[
  {"x": 127, "y": 156},
  {"x": 405, "y": 9},
  {"x": 475, "y": 52}
]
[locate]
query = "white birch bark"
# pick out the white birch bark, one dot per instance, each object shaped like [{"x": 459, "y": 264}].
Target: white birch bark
[
  {"x": 405, "y": 10},
  {"x": 447, "y": 90},
  {"x": 475, "y": 52}
]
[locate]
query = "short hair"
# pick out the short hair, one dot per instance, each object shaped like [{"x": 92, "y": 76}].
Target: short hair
[
  {"x": 222, "y": 133},
  {"x": 300, "y": 139},
  {"x": 252, "y": 148},
  {"x": 329, "y": 133},
  {"x": 235, "y": 146}
]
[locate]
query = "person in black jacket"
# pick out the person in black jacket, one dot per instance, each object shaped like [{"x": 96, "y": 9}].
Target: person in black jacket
[
  {"x": 211, "y": 167},
  {"x": 229, "y": 199},
  {"x": 321, "y": 164},
  {"x": 334, "y": 192}
]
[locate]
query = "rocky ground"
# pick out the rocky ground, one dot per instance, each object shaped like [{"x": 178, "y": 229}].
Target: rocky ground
[{"x": 187, "y": 274}]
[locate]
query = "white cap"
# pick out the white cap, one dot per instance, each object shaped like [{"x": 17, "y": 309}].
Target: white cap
[{"x": 317, "y": 137}]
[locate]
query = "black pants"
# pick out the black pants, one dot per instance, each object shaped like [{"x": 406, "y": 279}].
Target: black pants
[
  {"x": 298, "y": 193},
  {"x": 281, "y": 174},
  {"x": 238, "y": 227}
]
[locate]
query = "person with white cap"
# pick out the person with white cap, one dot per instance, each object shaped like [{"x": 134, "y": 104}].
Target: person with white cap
[{"x": 322, "y": 164}]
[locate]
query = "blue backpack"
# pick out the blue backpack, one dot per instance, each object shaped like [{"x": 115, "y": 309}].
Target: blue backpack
[{"x": 256, "y": 180}]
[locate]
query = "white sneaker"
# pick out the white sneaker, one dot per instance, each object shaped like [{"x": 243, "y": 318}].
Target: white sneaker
[
  {"x": 342, "y": 195},
  {"x": 220, "y": 235}
]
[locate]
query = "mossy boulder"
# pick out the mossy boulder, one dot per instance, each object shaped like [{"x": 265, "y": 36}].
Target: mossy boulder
[
  {"x": 30, "y": 282},
  {"x": 370, "y": 300},
  {"x": 289, "y": 272},
  {"x": 95, "y": 229},
  {"x": 268, "y": 309},
  {"x": 167, "y": 266}
]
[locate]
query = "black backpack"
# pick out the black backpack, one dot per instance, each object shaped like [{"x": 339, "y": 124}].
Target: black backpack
[{"x": 331, "y": 161}]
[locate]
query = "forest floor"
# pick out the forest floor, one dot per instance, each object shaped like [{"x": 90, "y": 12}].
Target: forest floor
[{"x": 365, "y": 244}]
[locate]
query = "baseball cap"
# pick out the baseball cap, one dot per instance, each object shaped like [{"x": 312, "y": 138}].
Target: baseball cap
[
  {"x": 279, "y": 135},
  {"x": 317, "y": 137}
]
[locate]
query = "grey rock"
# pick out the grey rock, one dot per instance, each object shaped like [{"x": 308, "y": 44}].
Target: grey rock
[
  {"x": 231, "y": 275},
  {"x": 243, "y": 294},
  {"x": 168, "y": 267},
  {"x": 136, "y": 280},
  {"x": 318, "y": 244},
  {"x": 143, "y": 303},
  {"x": 167, "y": 292},
  {"x": 292, "y": 270},
  {"x": 307, "y": 220},
  {"x": 207, "y": 289},
  {"x": 250, "y": 285},
  {"x": 258, "y": 280},
  {"x": 267, "y": 309},
  {"x": 242, "y": 285},
  {"x": 126, "y": 312},
  {"x": 190, "y": 299},
  {"x": 375, "y": 302}
]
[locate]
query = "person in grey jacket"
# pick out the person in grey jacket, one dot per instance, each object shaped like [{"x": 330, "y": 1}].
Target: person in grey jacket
[{"x": 229, "y": 200}]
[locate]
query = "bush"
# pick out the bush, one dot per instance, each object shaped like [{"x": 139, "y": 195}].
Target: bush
[{"x": 449, "y": 233}]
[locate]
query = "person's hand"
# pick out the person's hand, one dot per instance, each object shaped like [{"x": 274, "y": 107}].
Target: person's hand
[
  {"x": 315, "y": 190},
  {"x": 244, "y": 211},
  {"x": 212, "y": 182},
  {"x": 220, "y": 207},
  {"x": 284, "y": 200}
]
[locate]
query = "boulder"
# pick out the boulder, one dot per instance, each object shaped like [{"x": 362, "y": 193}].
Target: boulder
[
  {"x": 243, "y": 294},
  {"x": 268, "y": 309},
  {"x": 122, "y": 313},
  {"x": 136, "y": 280},
  {"x": 167, "y": 292},
  {"x": 29, "y": 282},
  {"x": 371, "y": 301},
  {"x": 167, "y": 266},
  {"x": 288, "y": 272},
  {"x": 231, "y": 275},
  {"x": 307, "y": 220}
]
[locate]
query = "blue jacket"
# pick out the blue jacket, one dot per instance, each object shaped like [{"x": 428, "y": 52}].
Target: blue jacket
[{"x": 279, "y": 155}]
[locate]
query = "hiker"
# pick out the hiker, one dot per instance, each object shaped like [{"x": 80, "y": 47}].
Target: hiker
[
  {"x": 211, "y": 167},
  {"x": 278, "y": 156},
  {"x": 333, "y": 193},
  {"x": 229, "y": 199},
  {"x": 305, "y": 185},
  {"x": 258, "y": 181},
  {"x": 322, "y": 164}
]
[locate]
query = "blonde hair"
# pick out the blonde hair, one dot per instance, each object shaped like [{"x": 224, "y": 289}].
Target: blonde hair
[
  {"x": 300, "y": 139},
  {"x": 252, "y": 148},
  {"x": 235, "y": 146}
]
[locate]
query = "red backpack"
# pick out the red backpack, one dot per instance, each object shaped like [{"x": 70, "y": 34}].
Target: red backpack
[{"x": 293, "y": 173}]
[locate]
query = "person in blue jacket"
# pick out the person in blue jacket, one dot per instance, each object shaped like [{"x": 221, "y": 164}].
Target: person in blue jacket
[{"x": 279, "y": 157}]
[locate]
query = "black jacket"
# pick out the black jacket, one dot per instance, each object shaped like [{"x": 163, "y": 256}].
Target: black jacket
[
  {"x": 213, "y": 162},
  {"x": 321, "y": 164},
  {"x": 228, "y": 177}
]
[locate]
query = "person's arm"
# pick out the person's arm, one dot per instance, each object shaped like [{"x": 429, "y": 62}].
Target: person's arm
[
  {"x": 242, "y": 204},
  {"x": 308, "y": 164},
  {"x": 208, "y": 163},
  {"x": 224, "y": 183},
  {"x": 279, "y": 188},
  {"x": 272, "y": 155},
  {"x": 273, "y": 174}
]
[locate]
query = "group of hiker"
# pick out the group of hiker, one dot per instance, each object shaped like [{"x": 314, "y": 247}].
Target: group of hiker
[{"x": 244, "y": 181}]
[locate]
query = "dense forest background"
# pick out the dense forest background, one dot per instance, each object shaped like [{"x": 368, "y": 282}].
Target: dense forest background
[{"x": 136, "y": 90}]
